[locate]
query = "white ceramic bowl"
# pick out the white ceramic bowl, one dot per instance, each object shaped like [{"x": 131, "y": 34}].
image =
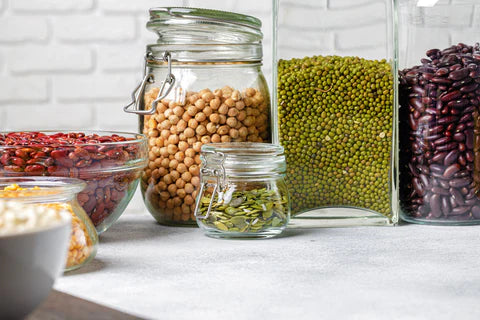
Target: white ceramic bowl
[{"x": 29, "y": 264}]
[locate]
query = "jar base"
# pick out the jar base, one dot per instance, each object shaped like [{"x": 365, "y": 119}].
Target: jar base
[
  {"x": 339, "y": 217},
  {"x": 239, "y": 235},
  {"x": 440, "y": 222}
]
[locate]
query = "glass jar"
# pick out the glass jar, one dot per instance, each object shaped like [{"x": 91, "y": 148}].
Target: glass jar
[
  {"x": 203, "y": 83},
  {"x": 334, "y": 110},
  {"x": 60, "y": 193},
  {"x": 439, "y": 98},
  {"x": 243, "y": 192}
]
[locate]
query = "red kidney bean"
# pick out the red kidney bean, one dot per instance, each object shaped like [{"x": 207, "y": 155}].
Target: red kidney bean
[
  {"x": 476, "y": 211},
  {"x": 435, "y": 205},
  {"x": 451, "y": 170},
  {"x": 442, "y": 191},
  {"x": 448, "y": 146},
  {"x": 450, "y": 96},
  {"x": 446, "y": 207},
  {"x": 458, "y": 74},
  {"x": 457, "y": 196},
  {"x": 460, "y": 210},
  {"x": 459, "y": 182}
]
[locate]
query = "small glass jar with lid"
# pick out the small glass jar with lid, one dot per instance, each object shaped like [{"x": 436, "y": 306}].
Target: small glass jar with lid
[
  {"x": 243, "y": 192},
  {"x": 439, "y": 99},
  {"x": 335, "y": 111},
  {"x": 203, "y": 83}
]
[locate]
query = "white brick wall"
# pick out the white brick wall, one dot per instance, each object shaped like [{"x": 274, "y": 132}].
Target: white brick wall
[{"x": 73, "y": 63}]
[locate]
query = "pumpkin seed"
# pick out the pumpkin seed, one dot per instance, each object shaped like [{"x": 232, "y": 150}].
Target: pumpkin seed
[{"x": 246, "y": 211}]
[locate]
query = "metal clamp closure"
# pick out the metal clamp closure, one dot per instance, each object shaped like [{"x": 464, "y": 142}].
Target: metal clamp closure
[
  {"x": 165, "y": 87},
  {"x": 217, "y": 173}
]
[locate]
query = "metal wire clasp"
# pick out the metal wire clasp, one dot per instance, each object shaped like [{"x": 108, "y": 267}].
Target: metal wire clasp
[
  {"x": 165, "y": 87},
  {"x": 211, "y": 172}
]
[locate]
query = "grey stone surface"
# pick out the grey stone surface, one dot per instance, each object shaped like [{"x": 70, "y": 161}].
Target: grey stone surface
[{"x": 406, "y": 272}]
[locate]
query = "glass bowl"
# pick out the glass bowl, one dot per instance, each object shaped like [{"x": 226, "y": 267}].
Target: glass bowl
[
  {"x": 110, "y": 163},
  {"x": 59, "y": 193}
]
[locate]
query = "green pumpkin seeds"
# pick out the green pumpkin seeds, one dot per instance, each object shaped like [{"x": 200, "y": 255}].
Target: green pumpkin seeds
[{"x": 247, "y": 211}]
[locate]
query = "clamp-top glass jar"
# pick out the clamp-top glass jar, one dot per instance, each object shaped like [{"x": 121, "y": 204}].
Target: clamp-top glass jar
[
  {"x": 203, "y": 83},
  {"x": 335, "y": 110},
  {"x": 439, "y": 97},
  {"x": 243, "y": 193}
]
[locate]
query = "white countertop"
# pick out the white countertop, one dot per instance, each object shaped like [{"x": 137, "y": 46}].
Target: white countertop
[{"x": 406, "y": 272}]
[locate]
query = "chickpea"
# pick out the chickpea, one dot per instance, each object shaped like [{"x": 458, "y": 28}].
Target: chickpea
[
  {"x": 189, "y": 188},
  {"x": 225, "y": 138},
  {"x": 185, "y": 210},
  {"x": 182, "y": 137},
  {"x": 233, "y": 133},
  {"x": 173, "y": 164},
  {"x": 164, "y": 152},
  {"x": 186, "y": 116},
  {"x": 153, "y": 133},
  {"x": 243, "y": 132},
  {"x": 162, "y": 204},
  {"x": 192, "y": 110},
  {"x": 239, "y": 105},
  {"x": 178, "y": 111},
  {"x": 188, "y": 199},
  {"x": 158, "y": 162},
  {"x": 207, "y": 111},
  {"x": 230, "y": 102},
  {"x": 194, "y": 170},
  {"x": 223, "y": 119},
  {"x": 165, "y": 163},
  {"x": 165, "y": 134},
  {"x": 231, "y": 122},
  {"x": 159, "y": 142},
  {"x": 197, "y": 146},
  {"x": 200, "y": 117},
  {"x": 182, "y": 167},
  {"x": 211, "y": 127},
  {"x": 250, "y": 92},
  {"x": 175, "y": 175},
  {"x": 190, "y": 152},
  {"x": 181, "y": 193},
  {"x": 249, "y": 121},
  {"x": 182, "y": 146},
  {"x": 177, "y": 201},
  {"x": 172, "y": 189},
  {"x": 195, "y": 181},
  {"x": 168, "y": 113},
  {"x": 179, "y": 156},
  {"x": 173, "y": 139},
  {"x": 201, "y": 130},
  {"x": 192, "y": 123},
  {"x": 214, "y": 118},
  {"x": 187, "y": 176},
  {"x": 200, "y": 104},
  {"x": 181, "y": 125},
  {"x": 177, "y": 213},
  {"x": 164, "y": 195},
  {"x": 215, "y": 103},
  {"x": 222, "y": 130},
  {"x": 162, "y": 185},
  {"x": 215, "y": 138},
  {"x": 232, "y": 112},
  {"x": 197, "y": 160},
  {"x": 193, "y": 98},
  {"x": 162, "y": 172},
  {"x": 208, "y": 96},
  {"x": 189, "y": 132},
  {"x": 223, "y": 109},
  {"x": 205, "y": 139},
  {"x": 180, "y": 183},
  {"x": 188, "y": 161},
  {"x": 172, "y": 149},
  {"x": 191, "y": 141}
]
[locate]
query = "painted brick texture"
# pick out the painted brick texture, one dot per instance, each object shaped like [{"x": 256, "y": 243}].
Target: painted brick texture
[{"x": 74, "y": 63}]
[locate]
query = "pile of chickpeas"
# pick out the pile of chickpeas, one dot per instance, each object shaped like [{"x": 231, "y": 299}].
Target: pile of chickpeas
[{"x": 177, "y": 131}]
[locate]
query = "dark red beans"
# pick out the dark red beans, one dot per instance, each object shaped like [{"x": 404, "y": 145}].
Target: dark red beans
[{"x": 440, "y": 143}]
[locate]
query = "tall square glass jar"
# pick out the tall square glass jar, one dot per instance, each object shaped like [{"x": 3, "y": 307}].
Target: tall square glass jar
[
  {"x": 334, "y": 110},
  {"x": 439, "y": 105}
]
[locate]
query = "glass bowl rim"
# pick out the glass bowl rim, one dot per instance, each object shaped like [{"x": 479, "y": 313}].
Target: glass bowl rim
[
  {"x": 56, "y": 187},
  {"x": 138, "y": 137}
]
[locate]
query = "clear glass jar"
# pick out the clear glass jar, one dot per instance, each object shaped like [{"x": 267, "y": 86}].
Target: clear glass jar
[
  {"x": 439, "y": 98},
  {"x": 243, "y": 192},
  {"x": 60, "y": 193},
  {"x": 334, "y": 110},
  {"x": 203, "y": 83}
]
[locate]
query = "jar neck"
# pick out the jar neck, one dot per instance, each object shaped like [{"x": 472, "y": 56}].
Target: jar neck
[
  {"x": 243, "y": 160},
  {"x": 205, "y": 53}
]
